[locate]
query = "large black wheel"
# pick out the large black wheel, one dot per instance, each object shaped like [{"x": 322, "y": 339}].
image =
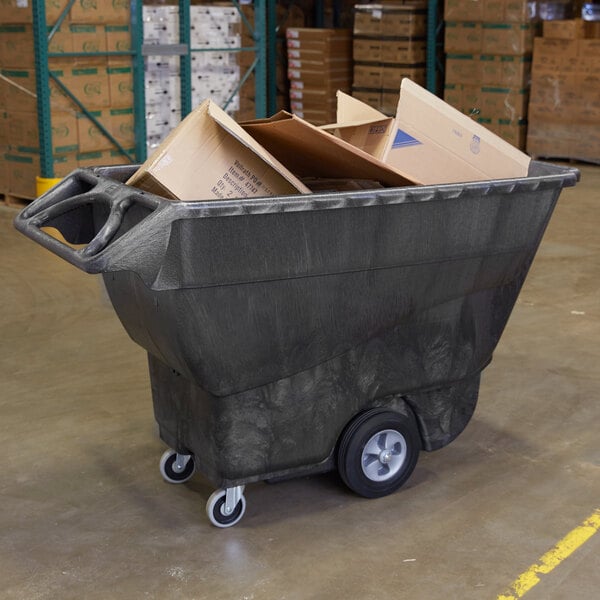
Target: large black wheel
[{"x": 378, "y": 452}]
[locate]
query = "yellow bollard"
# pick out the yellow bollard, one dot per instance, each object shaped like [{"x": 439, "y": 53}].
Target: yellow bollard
[{"x": 43, "y": 184}]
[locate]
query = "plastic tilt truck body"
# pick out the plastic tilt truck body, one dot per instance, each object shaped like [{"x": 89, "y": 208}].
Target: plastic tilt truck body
[{"x": 298, "y": 334}]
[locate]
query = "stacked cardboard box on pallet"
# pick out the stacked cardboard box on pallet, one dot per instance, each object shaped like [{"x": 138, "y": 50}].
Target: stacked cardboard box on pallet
[
  {"x": 488, "y": 49},
  {"x": 319, "y": 64},
  {"x": 564, "y": 109},
  {"x": 103, "y": 85},
  {"x": 389, "y": 44}
]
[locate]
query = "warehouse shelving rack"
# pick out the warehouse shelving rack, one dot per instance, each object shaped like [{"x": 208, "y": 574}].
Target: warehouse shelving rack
[
  {"x": 43, "y": 33},
  {"x": 264, "y": 48}
]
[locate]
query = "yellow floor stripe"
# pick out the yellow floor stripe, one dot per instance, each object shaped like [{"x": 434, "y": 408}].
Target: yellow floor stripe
[{"x": 573, "y": 540}]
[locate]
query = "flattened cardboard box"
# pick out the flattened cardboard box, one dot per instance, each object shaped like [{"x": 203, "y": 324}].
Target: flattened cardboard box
[
  {"x": 431, "y": 142},
  {"x": 435, "y": 143},
  {"x": 361, "y": 125},
  {"x": 308, "y": 151},
  {"x": 209, "y": 156}
]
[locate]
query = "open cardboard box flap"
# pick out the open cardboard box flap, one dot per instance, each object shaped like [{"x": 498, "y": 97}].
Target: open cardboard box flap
[
  {"x": 209, "y": 156},
  {"x": 308, "y": 151},
  {"x": 428, "y": 140},
  {"x": 435, "y": 143},
  {"x": 361, "y": 125}
]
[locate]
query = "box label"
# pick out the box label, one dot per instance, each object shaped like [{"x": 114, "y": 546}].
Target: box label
[{"x": 403, "y": 139}]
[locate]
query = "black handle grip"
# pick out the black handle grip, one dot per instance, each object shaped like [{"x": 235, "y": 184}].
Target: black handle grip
[{"x": 80, "y": 189}]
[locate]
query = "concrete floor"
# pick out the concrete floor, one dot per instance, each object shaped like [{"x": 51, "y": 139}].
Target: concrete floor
[{"x": 85, "y": 513}]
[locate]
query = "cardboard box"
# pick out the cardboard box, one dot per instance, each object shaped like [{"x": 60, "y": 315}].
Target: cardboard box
[
  {"x": 389, "y": 20},
  {"x": 19, "y": 11},
  {"x": 316, "y": 117},
  {"x": 463, "y": 37},
  {"x": 465, "y": 98},
  {"x": 88, "y": 38},
  {"x": 3, "y": 172},
  {"x": 118, "y": 39},
  {"x": 120, "y": 85},
  {"x": 4, "y": 125},
  {"x": 16, "y": 45},
  {"x": 101, "y": 11},
  {"x": 489, "y": 38},
  {"x": 23, "y": 168},
  {"x": 518, "y": 11},
  {"x": 463, "y": 10},
  {"x": 505, "y": 71},
  {"x": 19, "y": 90},
  {"x": 361, "y": 125},
  {"x": 310, "y": 152},
  {"x": 122, "y": 126},
  {"x": 209, "y": 156},
  {"x": 386, "y": 76},
  {"x": 499, "y": 103},
  {"x": 90, "y": 137},
  {"x": 316, "y": 78},
  {"x": 404, "y": 51},
  {"x": 89, "y": 84},
  {"x": 551, "y": 55},
  {"x": 326, "y": 41},
  {"x": 368, "y": 96},
  {"x": 571, "y": 29},
  {"x": 434, "y": 143},
  {"x": 24, "y": 134},
  {"x": 507, "y": 38}
]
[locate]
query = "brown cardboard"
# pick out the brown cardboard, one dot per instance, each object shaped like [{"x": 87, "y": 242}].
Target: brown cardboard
[
  {"x": 385, "y": 20},
  {"x": 389, "y": 51},
  {"x": 23, "y": 168},
  {"x": 489, "y": 38},
  {"x": 504, "y": 103},
  {"x": 361, "y": 125},
  {"x": 90, "y": 137},
  {"x": 87, "y": 38},
  {"x": 16, "y": 45},
  {"x": 122, "y": 126},
  {"x": 24, "y": 136},
  {"x": 118, "y": 39},
  {"x": 101, "y": 11},
  {"x": 507, "y": 38},
  {"x": 463, "y": 10},
  {"x": 120, "y": 85},
  {"x": 89, "y": 84},
  {"x": 435, "y": 143},
  {"x": 19, "y": 90},
  {"x": 311, "y": 152},
  {"x": 570, "y": 29},
  {"x": 19, "y": 11},
  {"x": 552, "y": 55},
  {"x": 209, "y": 156},
  {"x": 4, "y": 124},
  {"x": 317, "y": 77},
  {"x": 463, "y": 37},
  {"x": 488, "y": 69}
]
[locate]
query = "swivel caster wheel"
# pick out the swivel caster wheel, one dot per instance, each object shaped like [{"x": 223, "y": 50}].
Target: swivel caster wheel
[
  {"x": 176, "y": 468},
  {"x": 225, "y": 508}
]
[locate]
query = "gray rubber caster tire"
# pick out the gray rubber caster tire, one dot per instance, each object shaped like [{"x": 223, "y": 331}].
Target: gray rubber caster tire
[{"x": 168, "y": 468}]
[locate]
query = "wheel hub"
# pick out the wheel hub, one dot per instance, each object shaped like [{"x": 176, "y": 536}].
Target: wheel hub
[{"x": 385, "y": 457}]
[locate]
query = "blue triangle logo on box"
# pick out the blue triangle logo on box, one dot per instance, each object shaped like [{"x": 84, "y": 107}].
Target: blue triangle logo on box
[{"x": 403, "y": 139}]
